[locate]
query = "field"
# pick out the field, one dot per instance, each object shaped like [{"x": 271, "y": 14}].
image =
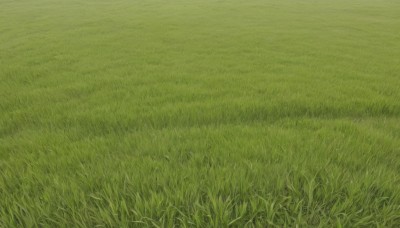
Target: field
[{"x": 199, "y": 113}]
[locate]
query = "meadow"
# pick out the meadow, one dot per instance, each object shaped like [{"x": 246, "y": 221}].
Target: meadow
[{"x": 199, "y": 113}]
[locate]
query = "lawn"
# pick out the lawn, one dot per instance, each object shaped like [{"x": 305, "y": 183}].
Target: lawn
[{"x": 199, "y": 113}]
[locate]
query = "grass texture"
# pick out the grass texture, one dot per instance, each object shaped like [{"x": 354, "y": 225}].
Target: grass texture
[{"x": 199, "y": 113}]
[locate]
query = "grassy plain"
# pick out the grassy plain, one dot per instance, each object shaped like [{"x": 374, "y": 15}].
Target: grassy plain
[{"x": 199, "y": 113}]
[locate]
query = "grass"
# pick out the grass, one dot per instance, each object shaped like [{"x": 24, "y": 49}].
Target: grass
[{"x": 199, "y": 113}]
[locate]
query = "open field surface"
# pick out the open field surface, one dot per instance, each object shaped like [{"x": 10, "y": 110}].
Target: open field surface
[{"x": 199, "y": 113}]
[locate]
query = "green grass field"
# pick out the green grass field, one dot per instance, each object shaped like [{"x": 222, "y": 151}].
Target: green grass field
[{"x": 199, "y": 113}]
